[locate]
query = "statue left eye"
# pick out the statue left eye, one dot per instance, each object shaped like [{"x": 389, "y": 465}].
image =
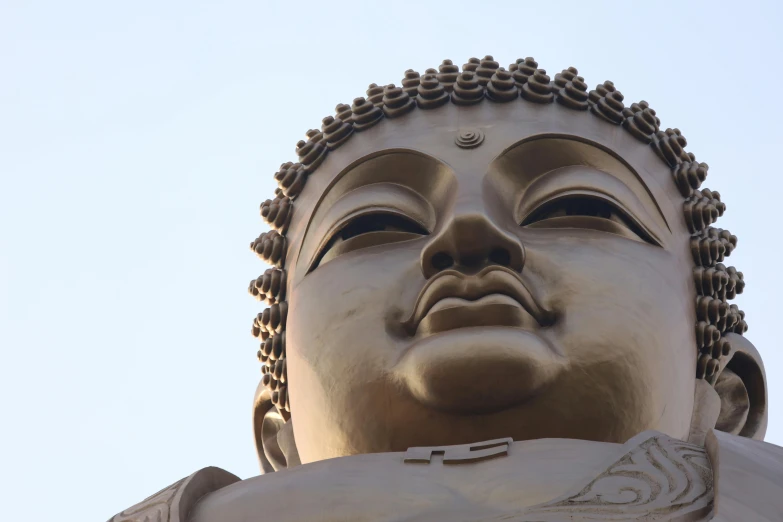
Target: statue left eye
[
  {"x": 582, "y": 211},
  {"x": 366, "y": 231}
]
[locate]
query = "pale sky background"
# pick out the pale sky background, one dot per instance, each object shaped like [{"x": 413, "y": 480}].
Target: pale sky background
[{"x": 137, "y": 140}]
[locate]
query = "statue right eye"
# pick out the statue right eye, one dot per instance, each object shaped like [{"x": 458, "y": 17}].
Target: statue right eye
[{"x": 368, "y": 230}]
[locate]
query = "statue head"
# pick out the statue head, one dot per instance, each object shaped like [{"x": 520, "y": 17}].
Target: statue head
[{"x": 492, "y": 253}]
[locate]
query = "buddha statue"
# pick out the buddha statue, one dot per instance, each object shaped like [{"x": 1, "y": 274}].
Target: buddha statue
[{"x": 496, "y": 296}]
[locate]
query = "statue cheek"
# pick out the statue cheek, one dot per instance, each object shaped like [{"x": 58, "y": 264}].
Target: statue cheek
[
  {"x": 352, "y": 306},
  {"x": 616, "y": 298}
]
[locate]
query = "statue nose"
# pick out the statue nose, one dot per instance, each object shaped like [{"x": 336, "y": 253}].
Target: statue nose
[{"x": 469, "y": 243}]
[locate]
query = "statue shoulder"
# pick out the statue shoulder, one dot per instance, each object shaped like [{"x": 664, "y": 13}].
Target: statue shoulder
[
  {"x": 733, "y": 478},
  {"x": 173, "y": 503},
  {"x": 748, "y": 478}
]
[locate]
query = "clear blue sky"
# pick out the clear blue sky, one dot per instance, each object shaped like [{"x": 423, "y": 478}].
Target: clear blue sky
[{"x": 137, "y": 140}]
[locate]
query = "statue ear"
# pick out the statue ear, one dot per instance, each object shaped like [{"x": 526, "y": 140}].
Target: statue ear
[
  {"x": 274, "y": 434},
  {"x": 742, "y": 388},
  {"x": 736, "y": 402}
]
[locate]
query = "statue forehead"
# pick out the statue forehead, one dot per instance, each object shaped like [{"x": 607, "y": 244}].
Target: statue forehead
[{"x": 436, "y": 133}]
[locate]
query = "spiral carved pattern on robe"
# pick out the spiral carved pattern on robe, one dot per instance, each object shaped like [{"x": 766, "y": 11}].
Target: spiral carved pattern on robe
[{"x": 660, "y": 478}]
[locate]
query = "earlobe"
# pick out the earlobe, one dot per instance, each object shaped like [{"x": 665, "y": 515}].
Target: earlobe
[
  {"x": 273, "y": 433},
  {"x": 737, "y": 401},
  {"x": 706, "y": 411}
]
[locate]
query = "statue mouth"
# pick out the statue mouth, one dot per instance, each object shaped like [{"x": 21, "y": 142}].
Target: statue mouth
[
  {"x": 479, "y": 343},
  {"x": 496, "y": 296}
]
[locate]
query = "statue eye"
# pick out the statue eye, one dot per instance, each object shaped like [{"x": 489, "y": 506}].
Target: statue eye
[
  {"x": 369, "y": 230},
  {"x": 378, "y": 222},
  {"x": 582, "y": 211}
]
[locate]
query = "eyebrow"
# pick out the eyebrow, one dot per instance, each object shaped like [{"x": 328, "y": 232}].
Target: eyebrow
[
  {"x": 542, "y": 155},
  {"x": 368, "y": 171},
  {"x": 366, "y": 162}
]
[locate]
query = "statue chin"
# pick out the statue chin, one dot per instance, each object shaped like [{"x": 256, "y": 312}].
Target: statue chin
[{"x": 478, "y": 369}]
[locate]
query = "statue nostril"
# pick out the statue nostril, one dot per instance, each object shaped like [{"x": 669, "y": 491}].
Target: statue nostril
[
  {"x": 500, "y": 256},
  {"x": 442, "y": 261}
]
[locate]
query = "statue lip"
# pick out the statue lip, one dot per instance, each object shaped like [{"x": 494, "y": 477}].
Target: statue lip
[{"x": 494, "y": 290}]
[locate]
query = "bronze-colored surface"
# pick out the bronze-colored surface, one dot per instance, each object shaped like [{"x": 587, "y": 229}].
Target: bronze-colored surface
[
  {"x": 485, "y": 79},
  {"x": 460, "y": 454},
  {"x": 175, "y": 503},
  {"x": 651, "y": 477},
  {"x": 490, "y": 254}
]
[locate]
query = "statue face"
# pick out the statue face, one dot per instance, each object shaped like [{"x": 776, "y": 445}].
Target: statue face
[{"x": 536, "y": 285}]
